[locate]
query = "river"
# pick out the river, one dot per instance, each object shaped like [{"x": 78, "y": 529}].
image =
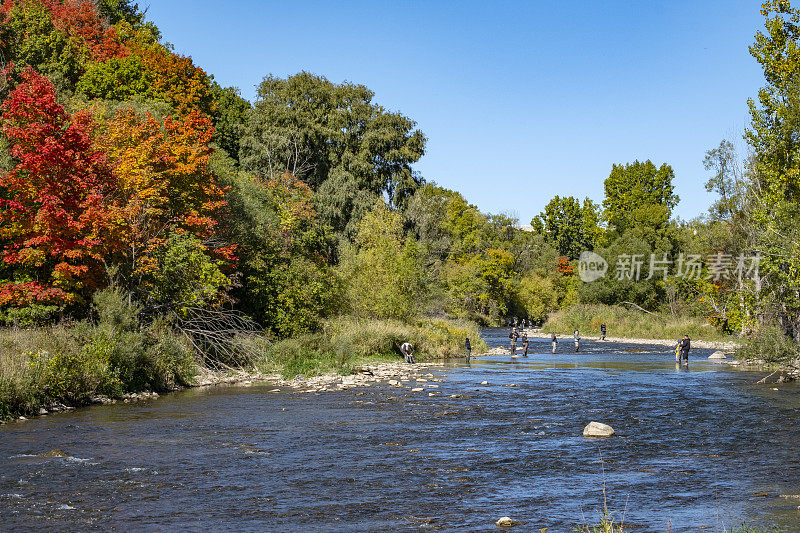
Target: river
[{"x": 703, "y": 448}]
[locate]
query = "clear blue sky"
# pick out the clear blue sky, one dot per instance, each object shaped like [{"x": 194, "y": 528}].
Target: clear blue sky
[{"x": 520, "y": 101}]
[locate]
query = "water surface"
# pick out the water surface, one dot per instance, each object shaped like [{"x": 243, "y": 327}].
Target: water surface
[{"x": 700, "y": 448}]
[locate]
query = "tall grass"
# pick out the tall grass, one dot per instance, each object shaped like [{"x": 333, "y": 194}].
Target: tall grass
[
  {"x": 70, "y": 364},
  {"x": 347, "y": 342},
  {"x": 631, "y": 323}
]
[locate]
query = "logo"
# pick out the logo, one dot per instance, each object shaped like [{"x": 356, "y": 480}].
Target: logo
[{"x": 591, "y": 267}]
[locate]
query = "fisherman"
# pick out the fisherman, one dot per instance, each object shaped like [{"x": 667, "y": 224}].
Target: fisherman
[
  {"x": 513, "y": 341},
  {"x": 525, "y": 344},
  {"x": 686, "y": 345},
  {"x": 468, "y": 347},
  {"x": 554, "y": 341},
  {"x": 576, "y": 336},
  {"x": 603, "y": 331},
  {"x": 407, "y": 349}
]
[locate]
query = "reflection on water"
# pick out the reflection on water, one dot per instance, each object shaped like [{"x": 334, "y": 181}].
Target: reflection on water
[{"x": 702, "y": 446}]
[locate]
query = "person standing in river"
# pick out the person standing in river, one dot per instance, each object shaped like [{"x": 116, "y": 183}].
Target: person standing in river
[
  {"x": 524, "y": 344},
  {"x": 577, "y": 338},
  {"x": 407, "y": 349},
  {"x": 468, "y": 348},
  {"x": 554, "y": 341},
  {"x": 685, "y": 346},
  {"x": 603, "y": 331},
  {"x": 513, "y": 341}
]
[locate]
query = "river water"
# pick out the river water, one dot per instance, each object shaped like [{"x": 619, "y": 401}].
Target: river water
[{"x": 697, "y": 449}]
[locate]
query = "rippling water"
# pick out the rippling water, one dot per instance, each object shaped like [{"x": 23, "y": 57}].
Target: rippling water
[{"x": 703, "y": 448}]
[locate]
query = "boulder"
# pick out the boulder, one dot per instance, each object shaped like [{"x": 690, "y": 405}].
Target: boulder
[
  {"x": 717, "y": 355},
  {"x": 505, "y": 522},
  {"x": 598, "y": 429}
]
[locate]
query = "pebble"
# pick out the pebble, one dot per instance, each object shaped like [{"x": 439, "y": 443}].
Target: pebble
[
  {"x": 484, "y": 382},
  {"x": 417, "y": 389}
]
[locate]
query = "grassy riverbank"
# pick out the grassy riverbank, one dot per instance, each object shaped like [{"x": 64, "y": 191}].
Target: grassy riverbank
[
  {"x": 345, "y": 343},
  {"x": 74, "y": 364},
  {"x": 631, "y": 323}
]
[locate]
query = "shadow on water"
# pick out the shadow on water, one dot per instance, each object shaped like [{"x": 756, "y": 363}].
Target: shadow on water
[{"x": 695, "y": 448}]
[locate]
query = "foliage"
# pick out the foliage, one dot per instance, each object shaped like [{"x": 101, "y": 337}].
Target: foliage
[
  {"x": 381, "y": 271},
  {"x": 52, "y": 212},
  {"x": 568, "y": 226},
  {"x": 333, "y": 137},
  {"x": 639, "y": 194}
]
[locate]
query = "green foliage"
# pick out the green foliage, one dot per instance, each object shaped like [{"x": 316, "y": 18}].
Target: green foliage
[
  {"x": 639, "y": 195},
  {"x": 333, "y": 137},
  {"x": 381, "y": 271},
  {"x": 770, "y": 345},
  {"x": 186, "y": 276},
  {"x": 28, "y": 37},
  {"x": 117, "y": 79},
  {"x": 230, "y": 117},
  {"x": 568, "y": 226}
]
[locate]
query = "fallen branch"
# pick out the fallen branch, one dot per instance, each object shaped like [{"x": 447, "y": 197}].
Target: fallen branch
[
  {"x": 764, "y": 380},
  {"x": 643, "y": 310}
]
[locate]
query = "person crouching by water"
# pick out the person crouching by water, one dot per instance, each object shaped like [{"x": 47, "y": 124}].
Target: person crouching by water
[
  {"x": 525, "y": 344},
  {"x": 554, "y": 341},
  {"x": 468, "y": 348},
  {"x": 685, "y": 346},
  {"x": 577, "y": 338},
  {"x": 513, "y": 341},
  {"x": 407, "y": 349}
]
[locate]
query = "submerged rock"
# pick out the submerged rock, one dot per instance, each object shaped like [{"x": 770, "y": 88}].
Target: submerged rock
[
  {"x": 53, "y": 453},
  {"x": 598, "y": 429},
  {"x": 717, "y": 355}
]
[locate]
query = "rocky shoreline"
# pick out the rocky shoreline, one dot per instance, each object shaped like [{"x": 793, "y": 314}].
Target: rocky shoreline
[{"x": 725, "y": 346}]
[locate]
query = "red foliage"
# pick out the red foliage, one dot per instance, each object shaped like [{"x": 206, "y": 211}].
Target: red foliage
[
  {"x": 52, "y": 209},
  {"x": 564, "y": 267},
  {"x": 81, "y": 19}
]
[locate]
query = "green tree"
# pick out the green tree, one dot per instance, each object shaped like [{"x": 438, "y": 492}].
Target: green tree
[
  {"x": 639, "y": 194},
  {"x": 568, "y": 225},
  {"x": 381, "y": 270},
  {"x": 350, "y": 150}
]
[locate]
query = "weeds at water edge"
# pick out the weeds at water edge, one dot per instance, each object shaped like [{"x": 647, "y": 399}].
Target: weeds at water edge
[{"x": 607, "y": 524}]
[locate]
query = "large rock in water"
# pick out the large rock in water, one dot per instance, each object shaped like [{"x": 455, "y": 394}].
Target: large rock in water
[
  {"x": 598, "y": 429},
  {"x": 505, "y": 522},
  {"x": 717, "y": 355}
]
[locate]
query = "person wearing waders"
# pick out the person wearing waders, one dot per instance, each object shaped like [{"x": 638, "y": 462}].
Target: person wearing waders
[
  {"x": 525, "y": 344},
  {"x": 554, "y": 341},
  {"x": 603, "y": 331},
  {"x": 407, "y": 349},
  {"x": 513, "y": 341},
  {"x": 468, "y": 348},
  {"x": 577, "y": 338},
  {"x": 686, "y": 345}
]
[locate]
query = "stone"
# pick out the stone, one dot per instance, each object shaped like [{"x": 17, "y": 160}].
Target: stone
[
  {"x": 484, "y": 382},
  {"x": 42, "y": 411},
  {"x": 598, "y": 429},
  {"x": 717, "y": 355},
  {"x": 505, "y": 522},
  {"x": 417, "y": 389}
]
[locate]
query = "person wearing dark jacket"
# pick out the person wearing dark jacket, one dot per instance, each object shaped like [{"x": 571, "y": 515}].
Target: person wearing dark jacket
[
  {"x": 525, "y": 344},
  {"x": 468, "y": 347},
  {"x": 513, "y": 341},
  {"x": 685, "y": 346},
  {"x": 603, "y": 331}
]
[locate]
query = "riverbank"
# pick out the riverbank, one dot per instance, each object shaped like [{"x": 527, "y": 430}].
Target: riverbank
[
  {"x": 729, "y": 346},
  {"x": 56, "y": 368}
]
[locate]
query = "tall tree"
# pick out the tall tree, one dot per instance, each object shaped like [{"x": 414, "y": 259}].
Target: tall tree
[
  {"x": 348, "y": 149},
  {"x": 569, "y": 226},
  {"x": 638, "y": 194}
]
